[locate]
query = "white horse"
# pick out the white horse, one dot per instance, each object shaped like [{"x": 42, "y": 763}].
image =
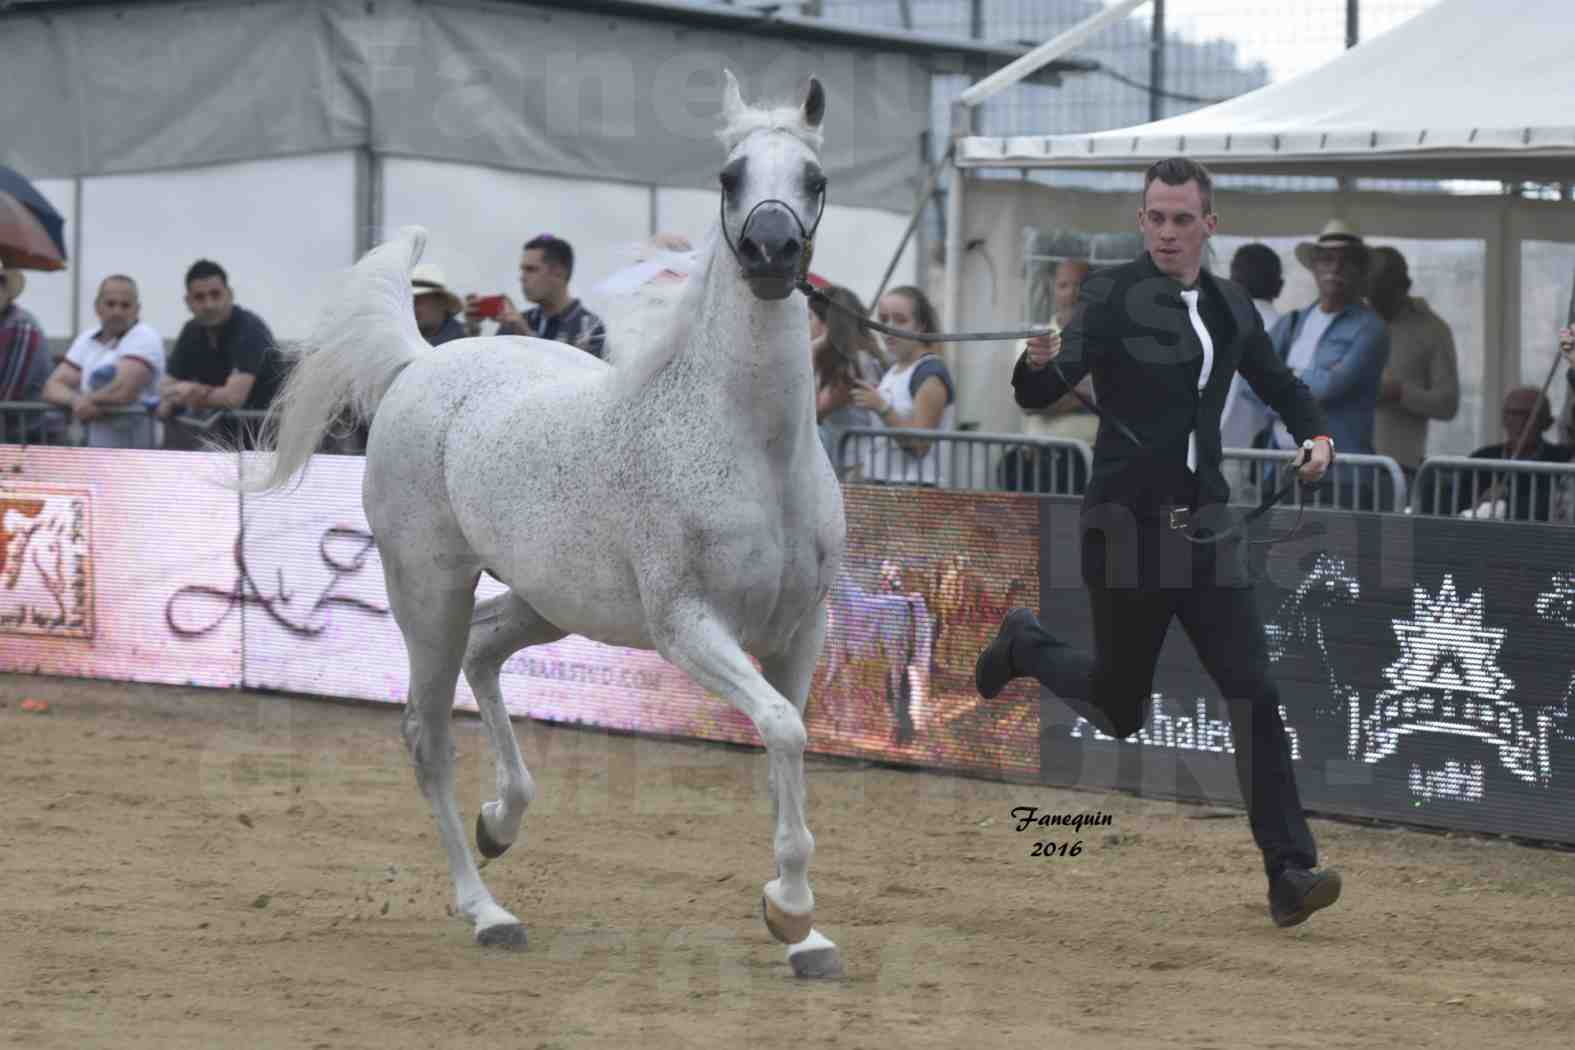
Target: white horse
[{"x": 679, "y": 502}]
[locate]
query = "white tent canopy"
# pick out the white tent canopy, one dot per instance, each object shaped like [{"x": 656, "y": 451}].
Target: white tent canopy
[{"x": 1466, "y": 89}]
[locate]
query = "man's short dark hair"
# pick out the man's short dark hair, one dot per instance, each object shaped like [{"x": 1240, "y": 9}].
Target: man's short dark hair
[
  {"x": 1178, "y": 171},
  {"x": 202, "y": 269},
  {"x": 555, "y": 250},
  {"x": 1257, "y": 268}
]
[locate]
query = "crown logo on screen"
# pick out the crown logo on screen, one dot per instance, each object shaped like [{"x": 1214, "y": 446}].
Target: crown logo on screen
[{"x": 1447, "y": 680}]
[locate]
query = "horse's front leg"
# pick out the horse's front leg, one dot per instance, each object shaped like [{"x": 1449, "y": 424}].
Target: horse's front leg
[{"x": 696, "y": 642}]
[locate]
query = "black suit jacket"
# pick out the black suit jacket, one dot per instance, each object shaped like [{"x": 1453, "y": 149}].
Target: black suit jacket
[{"x": 1131, "y": 330}]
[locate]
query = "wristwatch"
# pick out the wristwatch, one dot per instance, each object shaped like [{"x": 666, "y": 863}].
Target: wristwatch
[{"x": 1308, "y": 445}]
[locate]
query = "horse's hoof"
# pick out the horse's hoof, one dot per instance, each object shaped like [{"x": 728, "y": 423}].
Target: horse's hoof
[
  {"x": 510, "y": 936},
  {"x": 485, "y": 843},
  {"x": 816, "y": 959},
  {"x": 789, "y": 929}
]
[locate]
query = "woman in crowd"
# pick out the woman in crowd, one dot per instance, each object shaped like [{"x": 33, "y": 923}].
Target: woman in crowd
[
  {"x": 916, "y": 393},
  {"x": 844, "y": 354}
]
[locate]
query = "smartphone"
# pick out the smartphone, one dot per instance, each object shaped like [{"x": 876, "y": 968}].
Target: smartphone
[{"x": 489, "y": 305}]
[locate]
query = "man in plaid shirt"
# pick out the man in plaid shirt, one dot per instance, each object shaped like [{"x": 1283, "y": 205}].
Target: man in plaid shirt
[{"x": 24, "y": 359}]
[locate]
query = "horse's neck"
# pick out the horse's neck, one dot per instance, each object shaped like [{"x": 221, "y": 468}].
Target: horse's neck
[{"x": 754, "y": 355}]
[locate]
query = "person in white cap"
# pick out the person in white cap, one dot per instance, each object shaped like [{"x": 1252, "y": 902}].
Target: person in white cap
[{"x": 436, "y": 307}]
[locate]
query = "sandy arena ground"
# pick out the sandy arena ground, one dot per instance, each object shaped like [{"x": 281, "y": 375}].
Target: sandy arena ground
[{"x": 186, "y": 868}]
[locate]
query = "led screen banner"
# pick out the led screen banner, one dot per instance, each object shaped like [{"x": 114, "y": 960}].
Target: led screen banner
[
  {"x": 1425, "y": 668},
  {"x": 924, "y": 584},
  {"x": 148, "y": 566},
  {"x": 97, "y": 549}
]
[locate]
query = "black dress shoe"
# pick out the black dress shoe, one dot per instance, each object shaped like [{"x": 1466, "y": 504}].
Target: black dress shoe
[
  {"x": 994, "y": 669},
  {"x": 1296, "y": 893}
]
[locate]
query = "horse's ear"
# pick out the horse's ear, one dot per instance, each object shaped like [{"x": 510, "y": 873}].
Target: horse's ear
[
  {"x": 732, "y": 100},
  {"x": 814, "y": 103}
]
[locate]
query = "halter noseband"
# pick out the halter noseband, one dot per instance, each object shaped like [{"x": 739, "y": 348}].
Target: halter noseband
[{"x": 801, "y": 278}]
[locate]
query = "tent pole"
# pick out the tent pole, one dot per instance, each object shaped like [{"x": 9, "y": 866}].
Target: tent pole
[
  {"x": 913, "y": 223},
  {"x": 76, "y": 254},
  {"x": 1046, "y": 53},
  {"x": 951, "y": 312},
  {"x": 368, "y": 201},
  {"x": 1156, "y": 63}
]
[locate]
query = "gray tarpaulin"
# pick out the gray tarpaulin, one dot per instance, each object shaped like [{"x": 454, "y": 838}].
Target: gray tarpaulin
[{"x": 133, "y": 88}]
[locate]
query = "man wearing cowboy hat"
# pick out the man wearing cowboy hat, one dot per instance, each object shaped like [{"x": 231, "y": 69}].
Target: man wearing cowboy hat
[
  {"x": 436, "y": 307},
  {"x": 24, "y": 358},
  {"x": 1338, "y": 346}
]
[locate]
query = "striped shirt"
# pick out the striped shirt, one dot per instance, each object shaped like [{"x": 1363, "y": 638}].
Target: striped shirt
[
  {"x": 24, "y": 360},
  {"x": 576, "y": 326}
]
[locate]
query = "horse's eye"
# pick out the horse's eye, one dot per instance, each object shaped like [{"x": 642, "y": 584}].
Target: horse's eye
[
  {"x": 817, "y": 185},
  {"x": 729, "y": 180}
]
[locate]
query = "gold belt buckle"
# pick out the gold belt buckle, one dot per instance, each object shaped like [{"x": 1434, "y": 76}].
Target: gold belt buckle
[{"x": 1179, "y": 517}]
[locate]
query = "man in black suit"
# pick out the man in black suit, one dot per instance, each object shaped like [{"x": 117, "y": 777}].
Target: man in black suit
[{"x": 1163, "y": 339}]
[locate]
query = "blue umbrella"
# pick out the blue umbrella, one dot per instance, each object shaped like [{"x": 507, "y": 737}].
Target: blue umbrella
[{"x": 32, "y": 232}]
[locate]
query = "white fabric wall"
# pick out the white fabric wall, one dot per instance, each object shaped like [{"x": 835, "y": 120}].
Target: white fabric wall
[
  {"x": 478, "y": 219},
  {"x": 280, "y": 228}
]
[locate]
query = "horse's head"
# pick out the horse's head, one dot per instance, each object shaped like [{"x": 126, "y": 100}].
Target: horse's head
[{"x": 773, "y": 190}]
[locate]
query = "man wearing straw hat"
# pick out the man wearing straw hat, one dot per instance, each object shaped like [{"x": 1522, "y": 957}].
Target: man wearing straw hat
[
  {"x": 436, "y": 307},
  {"x": 1339, "y": 347}
]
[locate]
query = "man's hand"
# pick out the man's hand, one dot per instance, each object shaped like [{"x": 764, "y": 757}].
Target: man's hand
[
  {"x": 1042, "y": 349},
  {"x": 1567, "y": 344},
  {"x": 510, "y": 316},
  {"x": 1314, "y": 464},
  {"x": 84, "y": 409}
]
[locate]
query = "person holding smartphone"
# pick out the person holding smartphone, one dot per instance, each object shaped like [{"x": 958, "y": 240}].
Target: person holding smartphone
[
  {"x": 546, "y": 267},
  {"x": 916, "y": 393}
]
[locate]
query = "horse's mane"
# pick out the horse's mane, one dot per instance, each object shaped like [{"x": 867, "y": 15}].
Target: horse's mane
[{"x": 783, "y": 118}]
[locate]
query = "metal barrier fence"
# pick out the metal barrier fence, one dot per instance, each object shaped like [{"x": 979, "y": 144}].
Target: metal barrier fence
[
  {"x": 41, "y": 423},
  {"x": 1495, "y": 490},
  {"x": 1356, "y": 482},
  {"x": 966, "y": 460}
]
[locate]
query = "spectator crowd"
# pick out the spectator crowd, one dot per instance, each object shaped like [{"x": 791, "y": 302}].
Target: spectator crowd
[{"x": 1380, "y": 361}]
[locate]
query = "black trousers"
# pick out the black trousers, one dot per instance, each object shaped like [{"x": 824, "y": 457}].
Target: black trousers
[{"x": 1217, "y": 607}]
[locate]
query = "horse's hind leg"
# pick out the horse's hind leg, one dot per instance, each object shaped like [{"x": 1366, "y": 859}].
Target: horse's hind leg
[
  {"x": 432, "y": 605},
  {"x": 500, "y": 627}
]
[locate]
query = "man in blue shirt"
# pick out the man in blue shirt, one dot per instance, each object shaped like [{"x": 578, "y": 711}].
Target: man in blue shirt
[{"x": 1338, "y": 346}]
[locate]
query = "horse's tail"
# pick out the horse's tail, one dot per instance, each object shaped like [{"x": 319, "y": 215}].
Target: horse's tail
[{"x": 361, "y": 343}]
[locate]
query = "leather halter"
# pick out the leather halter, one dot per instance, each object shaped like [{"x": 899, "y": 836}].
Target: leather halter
[{"x": 800, "y": 279}]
